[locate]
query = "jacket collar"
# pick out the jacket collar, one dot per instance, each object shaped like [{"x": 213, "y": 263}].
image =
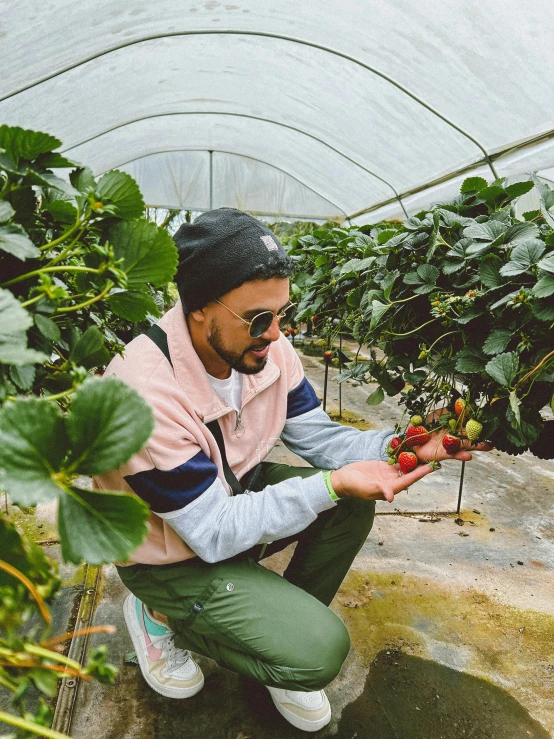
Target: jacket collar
[{"x": 191, "y": 373}]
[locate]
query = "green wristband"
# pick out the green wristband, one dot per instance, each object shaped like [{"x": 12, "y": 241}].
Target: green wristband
[{"x": 327, "y": 479}]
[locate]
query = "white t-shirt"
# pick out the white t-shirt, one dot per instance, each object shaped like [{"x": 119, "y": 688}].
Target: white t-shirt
[{"x": 229, "y": 390}]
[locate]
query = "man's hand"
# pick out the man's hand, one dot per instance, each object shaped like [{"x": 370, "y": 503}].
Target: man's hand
[
  {"x": 372, "y": 480},
  {"x": 433, "y": 449}
]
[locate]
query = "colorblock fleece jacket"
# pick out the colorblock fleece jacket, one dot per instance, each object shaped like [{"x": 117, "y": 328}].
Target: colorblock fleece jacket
[{"x": 179, "y": 472}]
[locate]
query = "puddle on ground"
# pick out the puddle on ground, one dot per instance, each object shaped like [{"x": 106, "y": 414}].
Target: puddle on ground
[
  {"x": 449, "y": 634},
  {"x": 406, "y": 697}
]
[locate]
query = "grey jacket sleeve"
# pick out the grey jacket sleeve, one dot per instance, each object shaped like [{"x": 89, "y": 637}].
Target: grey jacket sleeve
[
  {"x": 328, "y": 445},
  {"x": 217, "y": 526}
]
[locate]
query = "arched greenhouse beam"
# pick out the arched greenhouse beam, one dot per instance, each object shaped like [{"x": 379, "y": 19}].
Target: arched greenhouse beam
[
  {"x": 266, "y": 34},
  {"x": 503, "y": 152},
  {"x": 251, "y": 117},
  {"x": 233, "y": 153}
]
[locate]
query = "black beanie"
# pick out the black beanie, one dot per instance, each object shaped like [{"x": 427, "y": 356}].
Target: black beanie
[{"x": 220, "y": 251}]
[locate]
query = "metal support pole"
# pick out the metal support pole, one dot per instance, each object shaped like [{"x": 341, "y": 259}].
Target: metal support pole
[
  {"x": 340, "y": 370},
  {"x": 325, "y": 385},
  {"x": 211, "y": 179},
  {"x": 461, "y": 488}
]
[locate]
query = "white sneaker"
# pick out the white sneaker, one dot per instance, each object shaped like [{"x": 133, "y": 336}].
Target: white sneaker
[
  {"x": 169, "y": 670},
  {"x": 306, "y": 711}
]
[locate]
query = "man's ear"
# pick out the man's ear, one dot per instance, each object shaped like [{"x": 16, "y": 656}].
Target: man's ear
[{"x": 198, "y": 315}]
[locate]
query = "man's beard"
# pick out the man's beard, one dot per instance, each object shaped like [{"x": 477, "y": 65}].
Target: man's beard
[{"x": 236, "y": 360}]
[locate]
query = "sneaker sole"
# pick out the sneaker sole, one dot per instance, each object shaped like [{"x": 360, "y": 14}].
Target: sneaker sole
[
  {"x": 301, "y": 723},
  {"x": 137, "y": 639}
]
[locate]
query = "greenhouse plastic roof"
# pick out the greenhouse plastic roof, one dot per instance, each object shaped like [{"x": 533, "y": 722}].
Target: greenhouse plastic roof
[{"x": 310, "y": 110}]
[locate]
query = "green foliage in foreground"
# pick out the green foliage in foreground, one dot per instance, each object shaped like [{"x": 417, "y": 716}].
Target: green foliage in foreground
[
  {"x": 459, "y": 300},
  {"x": 79, "y": 269}
]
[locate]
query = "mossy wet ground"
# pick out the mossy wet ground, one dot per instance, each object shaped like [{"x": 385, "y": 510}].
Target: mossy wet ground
[{"x": 491, "y": 665}]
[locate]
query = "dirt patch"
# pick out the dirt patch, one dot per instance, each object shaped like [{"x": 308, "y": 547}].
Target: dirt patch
[
  {"x": 461, "y": 629},
  {"x": 406, "y": 696}
]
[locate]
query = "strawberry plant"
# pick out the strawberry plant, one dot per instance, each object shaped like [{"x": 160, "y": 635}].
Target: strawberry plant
[
  {"x": 456, "y": 303},
  {"x": 80, "y": 268}
]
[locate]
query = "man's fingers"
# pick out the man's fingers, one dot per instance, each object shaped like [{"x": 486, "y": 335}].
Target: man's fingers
[
  {"x": 463, "y": 456},
  {"x": 410, "y": 477}
]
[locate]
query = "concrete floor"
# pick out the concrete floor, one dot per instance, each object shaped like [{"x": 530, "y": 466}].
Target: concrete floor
[{"x": 451, "y": 618}]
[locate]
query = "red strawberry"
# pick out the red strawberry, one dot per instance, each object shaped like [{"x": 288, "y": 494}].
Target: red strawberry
[
  {"x": 395, "y": 442},
  {"x": 287, "y": 333},
  {"x": 407, "y": 461},
  {"x": 328, "y": 355},
  {"x": 459, "y": 406},
  {"x": 451, "y": 443},
  {"x": 416, "y": 436}
]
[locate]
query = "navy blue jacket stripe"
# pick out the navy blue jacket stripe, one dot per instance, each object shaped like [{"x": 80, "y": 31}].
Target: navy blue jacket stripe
[
  {"x": 301, "y": 399},
  {"x": 171, "y": 490}
]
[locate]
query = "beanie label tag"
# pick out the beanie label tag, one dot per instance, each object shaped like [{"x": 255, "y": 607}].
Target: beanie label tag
[{"x": 269, "y": 242}]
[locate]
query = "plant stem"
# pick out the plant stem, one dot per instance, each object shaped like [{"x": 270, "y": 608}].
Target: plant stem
[
  {"x": 58, "y": 395},
  {"x": 63, "y": 254},
  {"x": 22, "y": 723},
  {"x": 54, "y": 656},
  {"x": 69, "y": 268},
  {"x": 441, "y": 337},
  {"x": 33, "y": 300},
  {"x": 80, "y": 632},
  {"x": 103, "y": 294},
  {"x": 391, "y": 333},
  {"x": 532, "y": 372},
  {"x": 30, "y": 587},
  {"x": 61, "y": 238}
]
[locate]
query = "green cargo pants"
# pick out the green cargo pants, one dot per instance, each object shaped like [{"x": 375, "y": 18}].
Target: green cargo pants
[{"x": 276, "y": 630}]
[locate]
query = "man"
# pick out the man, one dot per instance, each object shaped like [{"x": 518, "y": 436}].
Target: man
[{"x": 196, "y": 583}]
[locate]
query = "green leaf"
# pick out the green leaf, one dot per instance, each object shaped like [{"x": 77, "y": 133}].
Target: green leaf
[
  {"x": 546, "y": 195},
  {"x": 115, "y": 525},
  {"x": 14, "y": 320},
  {"x": 19, "y": 355},
  {"x": 120, "y": 189},
  {"x": 514, "y": 405},
  {"x": 149, "y": 253},
  {"x": 87, "y": 345},
  {"x": 518, "y": 189},
  {"x": 521, "y": 232},
  {"x": 6, "y": 211},
  {"x": 22, "y": 143},
  {"x": 62, "y": 211},
  {"x": 497, "y": 341},
  {"x": 23, "y": 376},
  {"x": 503, "y": 368},
  {"x": 427, "y": 273},
  {"x": 547, "y": 264},
  {"x": 473, "y": 184},
  {"x": 54, "y": 160},
  {"x": 376, "y": 397},
  {"x": 488, "y": 231},
  {"x": 33, "y": 443},
  {"x": 378, "y": 310},
  {"x": 133, "y": 305},
  {"x": 14, "y": 240},
  {"x": 82, "y": 179},
  {"x": 470, "y": 360},
  {"x": 47, "y": 327},
  {"x": 523, "y": 257},
  {"x": 108, "y": 422},
  {"x": 544, "y": 287},
  {"x": 355, "y": 297},
  {"x": 544, "y": 310},
  {"x": 43, "y": 179}
]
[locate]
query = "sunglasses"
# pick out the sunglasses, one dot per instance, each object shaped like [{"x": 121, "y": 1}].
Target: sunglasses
[{"x": 262, "y": 321}]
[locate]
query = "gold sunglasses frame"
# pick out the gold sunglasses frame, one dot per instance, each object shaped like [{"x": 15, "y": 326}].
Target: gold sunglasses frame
[{"x": 278, "y": 316}]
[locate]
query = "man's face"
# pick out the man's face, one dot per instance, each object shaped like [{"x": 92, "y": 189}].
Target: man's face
[{"x": 229, "y": 336}]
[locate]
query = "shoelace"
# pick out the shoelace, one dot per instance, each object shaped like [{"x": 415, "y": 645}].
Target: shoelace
[{"x": 175, "y": 657}]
